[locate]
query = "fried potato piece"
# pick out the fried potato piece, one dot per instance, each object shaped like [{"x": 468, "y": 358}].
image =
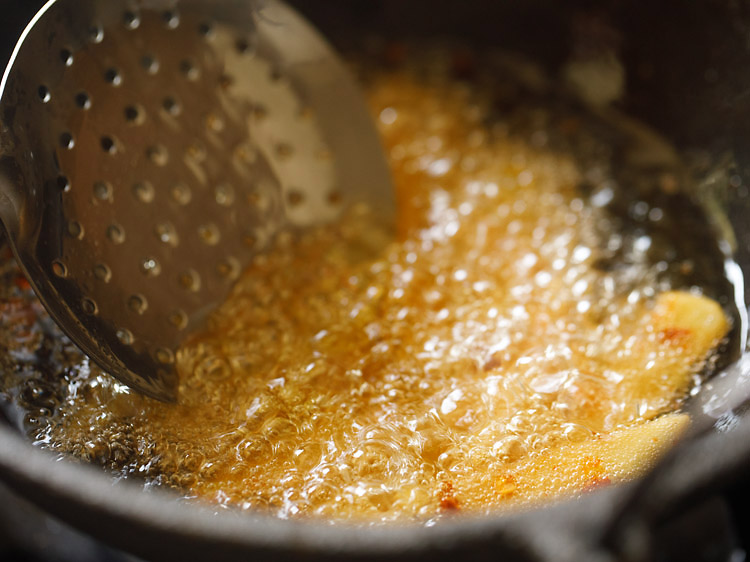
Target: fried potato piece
[
  {"x": 693, "y": 322},
  {"x": 677, "y": 338},
  {"x": 574, "y": 467},
  {"x": 652, "y": 374},
  {"x": 670, "y": 343}
]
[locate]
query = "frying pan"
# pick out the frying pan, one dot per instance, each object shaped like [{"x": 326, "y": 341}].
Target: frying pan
[{"x": 686, "y": 69}]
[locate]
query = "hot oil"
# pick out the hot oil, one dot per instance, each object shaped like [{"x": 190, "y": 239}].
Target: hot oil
[{"x": 498, "y": 327}]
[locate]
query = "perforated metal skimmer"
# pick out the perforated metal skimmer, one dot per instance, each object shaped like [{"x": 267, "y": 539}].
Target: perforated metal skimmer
[{"x": 150, "y": 149}]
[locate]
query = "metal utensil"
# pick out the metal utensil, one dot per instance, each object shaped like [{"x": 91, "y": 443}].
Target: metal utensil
[{"x": 150, "y": 149}]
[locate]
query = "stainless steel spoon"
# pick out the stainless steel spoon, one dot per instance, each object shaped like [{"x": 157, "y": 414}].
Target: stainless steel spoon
[{"x": 149, "y": 149}]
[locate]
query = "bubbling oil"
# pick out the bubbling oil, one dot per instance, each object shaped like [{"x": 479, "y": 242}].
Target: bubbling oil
[{"x": 348, "y": 382}]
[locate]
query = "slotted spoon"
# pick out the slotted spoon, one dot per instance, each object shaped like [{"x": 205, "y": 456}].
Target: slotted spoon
[{"x": 150, "y": 149}]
